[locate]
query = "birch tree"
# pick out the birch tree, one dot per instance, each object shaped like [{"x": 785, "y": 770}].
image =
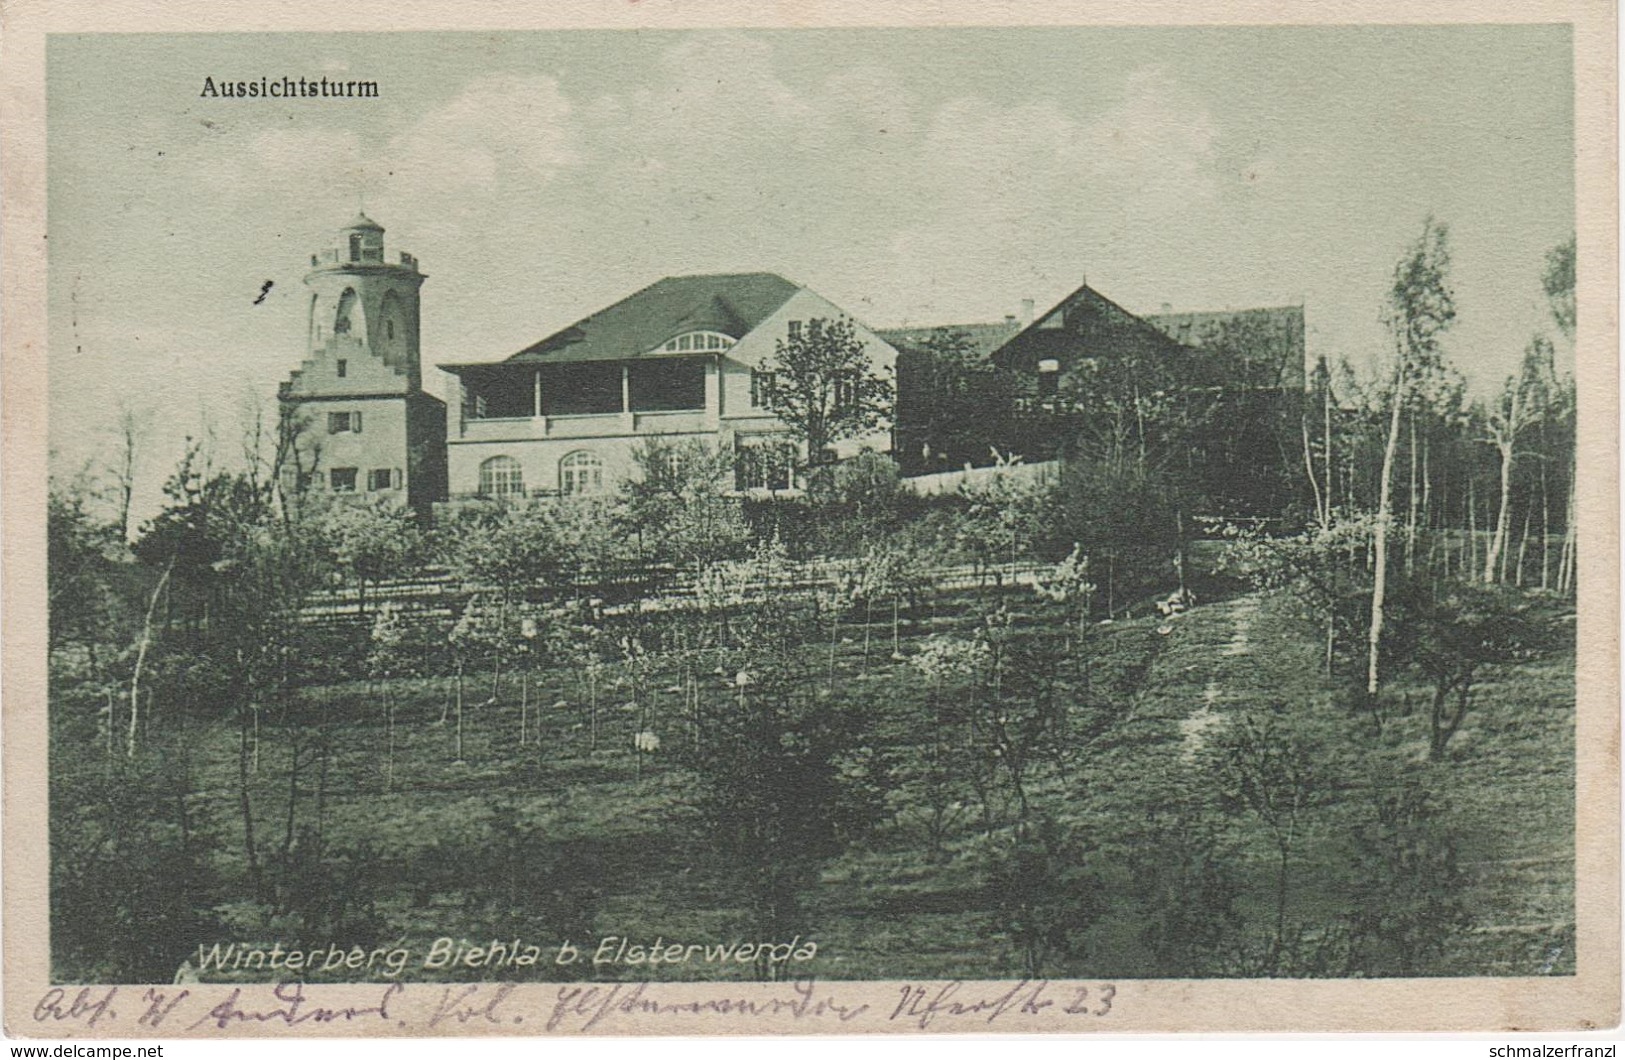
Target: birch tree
[
  {"x": 1558, "y": 281},
  {"x": 1421, "y": 306},
  {"x": 1517, "y": 407}
]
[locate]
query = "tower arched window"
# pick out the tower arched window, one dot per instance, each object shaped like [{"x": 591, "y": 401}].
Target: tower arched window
[
  {"x": 349, "y": 309},
  {"x": 391, "y": 316},
  {"x": 501, "y": 476},
  {"x": 581, "y": 472}
]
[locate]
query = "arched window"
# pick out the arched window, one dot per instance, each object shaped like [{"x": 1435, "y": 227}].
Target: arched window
[
  {"x": 581, "y": 472},
  {"x": 390, "y": 311},
  {"x": 501, "y": 476},
  {"x": 348, "y": 314},
  {"x": 699, "y": 342}
]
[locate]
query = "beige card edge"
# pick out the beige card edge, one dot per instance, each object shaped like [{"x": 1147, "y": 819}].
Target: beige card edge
[{"x": 1588, "y": 1000}]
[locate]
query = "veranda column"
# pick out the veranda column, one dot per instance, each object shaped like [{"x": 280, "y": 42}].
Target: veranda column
[{"x": 713, "y": 392}]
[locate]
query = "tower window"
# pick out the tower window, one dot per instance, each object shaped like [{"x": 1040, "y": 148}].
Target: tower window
[
  {"x": 343, "y": 367},
  {"x": 355, "y": 246},
  {"x": 342, "y": 479},
  {"x": 581, "y": 472},
  {"x": 501, "y": 476},
  {"x": 389, "y": 328}
]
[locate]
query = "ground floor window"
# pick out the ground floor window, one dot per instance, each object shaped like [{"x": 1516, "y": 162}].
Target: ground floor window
[
  {"x": 384, "y": 478},
  {"x": 501, "y": 476},
  {"x": 342, "y": 479},
  {"x": 764, "y": 464},
  {"x": 581, "y": 472}
]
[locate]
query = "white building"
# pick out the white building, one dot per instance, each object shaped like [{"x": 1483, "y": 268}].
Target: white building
[{"x": 683, "y": 358}]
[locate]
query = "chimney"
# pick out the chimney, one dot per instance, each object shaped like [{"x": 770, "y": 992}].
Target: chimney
[
  {"x": 1009, "y": 318},
  {"x": 1026, "y": 311}
]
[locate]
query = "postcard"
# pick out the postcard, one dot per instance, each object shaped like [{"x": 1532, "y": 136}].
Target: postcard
[{"x": 664, "y": 519}]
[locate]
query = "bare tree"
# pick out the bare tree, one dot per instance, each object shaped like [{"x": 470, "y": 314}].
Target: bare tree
[{"x": 130, "y": 430}]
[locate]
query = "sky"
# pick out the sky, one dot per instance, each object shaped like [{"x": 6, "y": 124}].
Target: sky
[{"x": 911, "y": 176}]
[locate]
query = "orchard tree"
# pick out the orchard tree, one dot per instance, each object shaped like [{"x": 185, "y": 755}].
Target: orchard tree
[
  {"x": 506, "y": 553},
  {"x": 373, "y": 542},
  {"x": 773, "y": 785},
  {"x": 825, "y": 388},
  {"x": 1411, "y": 884},
  {"x": 1454, "y": 634},
  {"x": 1266, "y": 769},
  {"x": 1047, "y": 896},
  {"x": 1003, "y": 514},
  {"x": 678, "y": 503},
  {"x": 388, "y": 660}
]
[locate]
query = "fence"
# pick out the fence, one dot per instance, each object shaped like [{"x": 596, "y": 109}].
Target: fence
[
  {"x": 644, "y": 589},
  {"x": 1041, "y": 473}
]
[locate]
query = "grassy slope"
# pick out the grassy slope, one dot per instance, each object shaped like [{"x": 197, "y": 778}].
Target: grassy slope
[{"x": 882, "y": 908}]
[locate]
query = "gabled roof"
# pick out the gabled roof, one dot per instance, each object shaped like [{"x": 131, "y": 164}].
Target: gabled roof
[
  {"x": 1271, "y": 338},
  {"x": 1087, "y": 314},
  {"x": 1199, "y": 329},
  {"x": 733, "y": 304},
  {"x": 983, "y": 338}
]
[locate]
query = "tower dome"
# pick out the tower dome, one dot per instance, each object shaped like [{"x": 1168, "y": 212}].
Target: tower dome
[{"x": 357, "y": 295}]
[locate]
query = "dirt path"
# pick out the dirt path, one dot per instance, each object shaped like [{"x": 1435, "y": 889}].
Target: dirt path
[{"x": 1236, "y": 616}]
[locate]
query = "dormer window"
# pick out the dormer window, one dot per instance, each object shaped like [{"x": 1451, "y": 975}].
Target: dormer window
[
  {"x": 698, "y": 342},
  {"x": 355, "y": 246}
]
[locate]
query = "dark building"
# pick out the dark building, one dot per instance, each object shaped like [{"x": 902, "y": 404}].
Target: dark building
[{"x": 1082, "y": 380}]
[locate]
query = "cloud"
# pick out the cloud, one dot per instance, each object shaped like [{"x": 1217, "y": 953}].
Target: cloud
[
  {"x": 1156, "y": 140},
  {"x": 500, "y": 126},
  {"x": 1051, "y": 193}
]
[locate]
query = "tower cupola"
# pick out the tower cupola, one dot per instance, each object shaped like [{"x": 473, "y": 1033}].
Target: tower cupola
[{"x": 365, "y": 303}]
